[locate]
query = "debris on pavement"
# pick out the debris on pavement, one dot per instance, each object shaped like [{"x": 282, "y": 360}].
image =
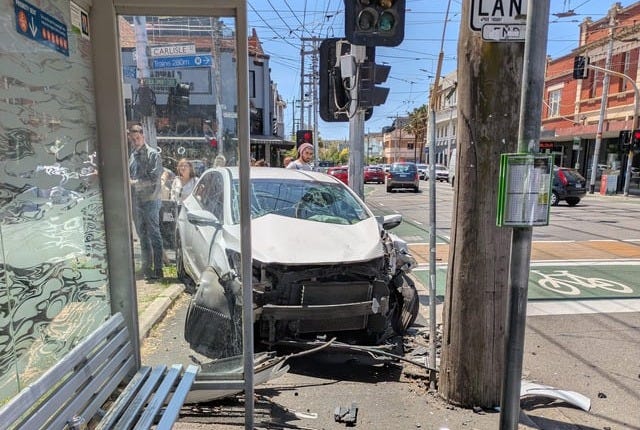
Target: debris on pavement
[{"x": 346, "y": 415}]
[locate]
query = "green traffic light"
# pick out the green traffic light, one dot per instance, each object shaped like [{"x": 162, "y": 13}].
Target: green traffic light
[{"x": 386, "y": 22}]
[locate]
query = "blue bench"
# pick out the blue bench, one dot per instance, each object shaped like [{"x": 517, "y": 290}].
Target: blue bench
[{"x": 93, "y": 384}]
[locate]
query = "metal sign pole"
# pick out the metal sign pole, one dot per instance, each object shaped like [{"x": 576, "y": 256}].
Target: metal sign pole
[{"x": 528, "y": 141}]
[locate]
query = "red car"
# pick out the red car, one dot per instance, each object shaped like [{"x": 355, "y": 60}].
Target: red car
[
  {"x": 340, "y": 172},
  {"x": 374, "y": 174}
]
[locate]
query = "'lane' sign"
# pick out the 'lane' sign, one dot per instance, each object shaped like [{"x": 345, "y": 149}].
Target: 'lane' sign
[{"x": 484, "y": 12}]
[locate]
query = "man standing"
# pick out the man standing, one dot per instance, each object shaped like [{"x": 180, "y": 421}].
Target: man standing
[
  {"x": 305, "y": 155},
  {"x": 145, "y": 169}
]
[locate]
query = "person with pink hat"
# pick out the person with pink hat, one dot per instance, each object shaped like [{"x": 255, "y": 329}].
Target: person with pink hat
[{"x": 305, "y": 155}]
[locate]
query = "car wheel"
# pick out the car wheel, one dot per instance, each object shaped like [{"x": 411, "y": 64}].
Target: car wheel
[
  {"x": 416, "y": 189},
  {"x": 555, "y": 199},
  {"x": 389, "y": 189},
  {"x": 572, "y": 201},
  {"x": 406, "y": 306}
]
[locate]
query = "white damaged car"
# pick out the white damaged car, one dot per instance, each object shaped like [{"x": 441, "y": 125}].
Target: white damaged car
[{"x": 323, "y": 264}]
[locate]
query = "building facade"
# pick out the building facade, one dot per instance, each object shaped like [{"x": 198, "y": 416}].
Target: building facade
[
  {"x": 574, "y": 111},
  {"x": 446, "y": 118},
  {"x": 399, "y": 144},
  {"x": 206, "y": 104}
]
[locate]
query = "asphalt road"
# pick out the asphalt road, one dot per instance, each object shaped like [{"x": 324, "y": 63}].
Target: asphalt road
[{"x": 595, "y": 353}]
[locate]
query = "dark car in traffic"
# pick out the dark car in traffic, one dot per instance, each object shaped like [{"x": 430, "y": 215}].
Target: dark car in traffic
[
  {"x": 403, "y": 175},
  {"x": 568, "y": 185}
]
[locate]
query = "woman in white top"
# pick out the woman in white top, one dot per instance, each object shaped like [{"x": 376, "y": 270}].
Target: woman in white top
[{"x": 184, "y": 181}]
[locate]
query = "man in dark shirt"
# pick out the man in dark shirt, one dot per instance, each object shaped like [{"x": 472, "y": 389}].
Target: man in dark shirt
[{"x": 145, "y": 170}]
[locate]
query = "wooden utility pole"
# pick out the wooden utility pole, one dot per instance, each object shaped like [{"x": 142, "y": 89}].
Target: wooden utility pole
[{"x": 473, "y": 350}]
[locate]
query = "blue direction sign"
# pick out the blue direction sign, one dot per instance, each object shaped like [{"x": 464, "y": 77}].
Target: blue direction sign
[
  {"x": 203, "y": 60},
  {"x": 41, "y": 27}
]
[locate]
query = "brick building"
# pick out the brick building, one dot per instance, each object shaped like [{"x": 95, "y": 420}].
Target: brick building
[{"x": 572, "y": 107}]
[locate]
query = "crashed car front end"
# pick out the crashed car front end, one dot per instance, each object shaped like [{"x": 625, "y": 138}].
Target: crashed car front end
[
  {"x": 322, "y": 265},
  {"x": 300, "y": 302}
]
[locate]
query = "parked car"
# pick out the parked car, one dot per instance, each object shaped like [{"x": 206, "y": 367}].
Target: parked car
[
  {"x": 452, "y": 166},
  {"x": 403, "y": 175},
  {"x": 374, "y": 174},
  {"x": 322, "y": 263},
  {"x": 423, "y": 171},
  {"x": 568, "y": 185},
  {"x": 442, "y": 173},
  {"x": 340, "y": 172}
]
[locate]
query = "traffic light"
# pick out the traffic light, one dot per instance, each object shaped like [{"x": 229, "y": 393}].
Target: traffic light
[
  {"x": 334, "y": 96},
  {"x": 374, "y": 22},
  {"x": 179, "y": 101},
  {"x": 635, "y": 140},
  {"x": 625, "y": 139},
  {"x": 371, "y": 74},
  {"x": 304, "y": 136},
  {"x": 580, "y": 70}
]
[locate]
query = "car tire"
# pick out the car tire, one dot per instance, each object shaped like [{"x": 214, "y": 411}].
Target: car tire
[
  {"x": 389, "y": 189},
  {"x": 572, "y": 201},
  {"x": 407, "y": 304},
  {"x": 555, "y": 199},
  {"x": 416, "y": 189}
]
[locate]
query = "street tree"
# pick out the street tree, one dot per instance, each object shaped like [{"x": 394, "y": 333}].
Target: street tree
[
  {"x": 417, "y": 126},
  {"x": 489, "y": 80}
]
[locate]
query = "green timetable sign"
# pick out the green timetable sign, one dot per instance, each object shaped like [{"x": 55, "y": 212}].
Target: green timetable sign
[{"x": 524, "y": 190}]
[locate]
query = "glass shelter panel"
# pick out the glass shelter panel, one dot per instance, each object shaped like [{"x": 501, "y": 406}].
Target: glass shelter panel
[
  {"x": 181, "y": 96},
  {"x": 53, "y": 283}
]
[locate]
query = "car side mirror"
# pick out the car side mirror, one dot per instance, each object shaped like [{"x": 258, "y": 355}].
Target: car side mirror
[
  {"x": 390, "y": 221},
  {"x": 203, "y": 218}
]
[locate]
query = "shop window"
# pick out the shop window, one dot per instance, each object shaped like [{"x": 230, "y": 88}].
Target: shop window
[{"x": 554, "y": 103}]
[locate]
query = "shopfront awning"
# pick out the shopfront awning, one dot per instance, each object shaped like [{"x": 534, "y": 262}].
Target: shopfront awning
[{"x": 271, "y": 140}]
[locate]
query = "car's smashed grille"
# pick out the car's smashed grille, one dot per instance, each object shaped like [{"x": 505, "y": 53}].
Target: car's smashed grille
[{"x": 334, "y": 294}]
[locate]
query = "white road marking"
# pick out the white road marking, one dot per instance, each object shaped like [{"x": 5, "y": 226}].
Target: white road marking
[{"x": 573, "y": 307}]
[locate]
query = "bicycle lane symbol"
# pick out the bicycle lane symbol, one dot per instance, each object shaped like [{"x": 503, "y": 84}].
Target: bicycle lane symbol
[{"x": 581, "y": 282}]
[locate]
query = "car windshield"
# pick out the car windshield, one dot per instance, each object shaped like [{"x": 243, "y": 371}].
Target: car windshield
[
  {"x": 315, "y": 201},
  {"x": 403, "y": 168}
]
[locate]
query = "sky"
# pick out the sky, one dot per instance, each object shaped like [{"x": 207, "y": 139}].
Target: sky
[{"x": 282, "y": 24}]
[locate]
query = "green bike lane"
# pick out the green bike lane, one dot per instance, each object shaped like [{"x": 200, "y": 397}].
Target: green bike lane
[
  {"x": 603, "y": 269},
  {"x": 565, "y": 280}
]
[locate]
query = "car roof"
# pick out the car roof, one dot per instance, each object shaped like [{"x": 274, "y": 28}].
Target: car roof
[{"x": 279, "y": 173}]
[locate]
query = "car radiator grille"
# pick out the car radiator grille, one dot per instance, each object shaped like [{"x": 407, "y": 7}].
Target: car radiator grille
[{"x": 334, "y": 294}]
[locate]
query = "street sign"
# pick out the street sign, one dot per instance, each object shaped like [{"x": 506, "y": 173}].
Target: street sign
[
  {"x": 485, "y": 12},
  {"x": 181, "y": 62},
  {"x": 160, "y": 83},
  {"x": 504, "y": 32},
  {"x": 172, "y": 50},
  {"x": 524, "y": 190},
  {"x": 38, "y": 25}
]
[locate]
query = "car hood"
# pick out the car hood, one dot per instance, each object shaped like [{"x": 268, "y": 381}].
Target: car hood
[{"x": 284, "y": 240}]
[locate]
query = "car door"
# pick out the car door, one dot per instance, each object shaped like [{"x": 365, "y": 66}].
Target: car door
[{"x": 209, "y": 195}]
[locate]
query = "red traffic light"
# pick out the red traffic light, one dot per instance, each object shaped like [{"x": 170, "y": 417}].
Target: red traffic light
[{"x": 636, "y": 135}]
